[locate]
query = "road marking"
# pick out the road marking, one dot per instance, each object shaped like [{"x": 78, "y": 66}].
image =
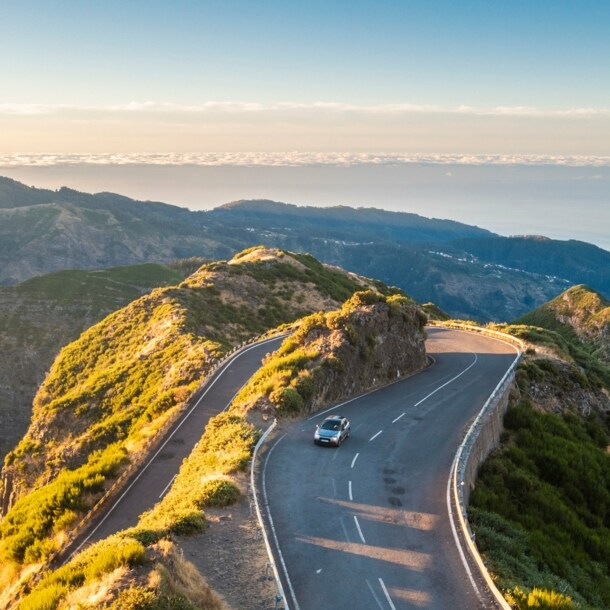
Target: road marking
[
  {"x": 387, "y": 595},
  {"x": 359, "y": 530},
  {"x": 454, "y": 530},
  {"x": 354, "y": 460},
  {"x": 318, "y": 571},
  {"x": 168, "y": 486},
  {"x": 208, "y": 387},
  {"x": 368, "y": 584},
  {"x": 375, "y": 436},
  {"x": 350, "y": 492},
  {"x": 401, "y": 415},
  {"x": 277, "y": 544},
  {"x": 448, "y": 382}
]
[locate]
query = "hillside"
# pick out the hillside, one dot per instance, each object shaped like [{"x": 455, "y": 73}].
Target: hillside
[
  {"x": 43, "y": 231},
  {"x": 540, "y": 505},
  {"x": 331, "y": 355},
  {"x": 466, "y": 270},
  {"x": 577, "y": 313},
  {"x": 577, "y": 261},
  {"x": 342, "y": 222},
  {"x": 41, "y": 315},
  {"x": 116, "y": 385}
]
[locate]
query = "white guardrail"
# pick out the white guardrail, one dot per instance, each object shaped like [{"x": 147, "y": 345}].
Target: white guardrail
[
  {"x": 462, "y": 467},
  {"x": 281, "y": 597}
]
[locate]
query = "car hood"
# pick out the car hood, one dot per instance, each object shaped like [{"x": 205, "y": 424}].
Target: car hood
[{"x": 328, "y": 433}]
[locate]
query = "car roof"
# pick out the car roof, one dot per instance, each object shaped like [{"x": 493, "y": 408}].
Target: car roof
[{"x": 335, "y": 417}]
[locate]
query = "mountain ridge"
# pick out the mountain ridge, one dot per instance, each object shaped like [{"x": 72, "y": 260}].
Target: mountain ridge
[{"x": 467, "y": 271}]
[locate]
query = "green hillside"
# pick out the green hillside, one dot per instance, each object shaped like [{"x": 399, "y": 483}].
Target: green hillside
[
  {"x": 541, "y": 505},
  {"x": 41, "y": 315},
  {"x": 579, "y": 313},
  {"x": 116, "y": 385}
]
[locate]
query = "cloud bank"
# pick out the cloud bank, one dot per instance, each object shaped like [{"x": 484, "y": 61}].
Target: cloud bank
[{"x": 293, "y": 159}]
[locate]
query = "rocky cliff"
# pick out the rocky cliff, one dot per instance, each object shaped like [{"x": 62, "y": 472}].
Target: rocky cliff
[{"x": 371, "y": 341}]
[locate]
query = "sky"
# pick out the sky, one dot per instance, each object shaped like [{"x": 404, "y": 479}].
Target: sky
[{"x": 87, "y": 85}]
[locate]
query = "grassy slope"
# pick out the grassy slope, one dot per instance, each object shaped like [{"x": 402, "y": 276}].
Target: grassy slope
[
  {"x": 541, "y": 508},
  {"x": 40, "y": 316},
  {"x": 578, "y": 313},
  {"x": 206, "y": 477},
  {"x": 115, "y": 386}
]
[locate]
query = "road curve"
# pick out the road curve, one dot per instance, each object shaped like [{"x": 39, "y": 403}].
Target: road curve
[
  {"x": 366, "y": 526},
  {"x": 148, "y": 485}
]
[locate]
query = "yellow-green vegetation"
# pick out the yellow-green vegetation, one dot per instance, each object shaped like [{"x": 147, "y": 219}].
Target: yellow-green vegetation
[
  {"x": 295, "y": 377},
  {"x": 579, "y": 313},
  {"x": 43, "y": 314},
  {"x": 120, "y": 573},
  {"x": 112, "y": 389},
  {"x": 203, "y": 480},
  {"x": 571, "y": 350},
  {"x": 539, "y": 598},
  {"x": 26, "y": 533}
]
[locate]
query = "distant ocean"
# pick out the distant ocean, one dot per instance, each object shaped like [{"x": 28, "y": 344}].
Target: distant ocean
[{"x": 556, "y": 200}]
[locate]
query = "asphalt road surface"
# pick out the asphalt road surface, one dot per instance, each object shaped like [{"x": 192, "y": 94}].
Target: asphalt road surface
[
  {"x": 366, "y": 525},
  {"x": 149, "y": 485}
]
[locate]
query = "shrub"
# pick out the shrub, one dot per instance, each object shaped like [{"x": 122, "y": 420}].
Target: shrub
[
  {"x": 287, "y": 399},
  {"x": 218, "y": 492},
  {"x": 46, "y": 598},
  {"x": 539, "y": 598},
  {"x": 135, "y": 598}
]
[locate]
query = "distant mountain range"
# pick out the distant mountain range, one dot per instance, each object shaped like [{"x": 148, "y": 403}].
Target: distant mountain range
[{"x": 467, "y": 271}]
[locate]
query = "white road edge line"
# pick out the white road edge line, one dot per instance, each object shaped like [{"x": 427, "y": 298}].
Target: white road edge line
[
  {"x": 168, "y": 486},
  {"x": 351, "y": 497},
  {"x": 454, "y": 531},
  {"x": 387, "y": 595},
  {"x": 359, "y": 530},
  {"x": 399, "y": 417},
  {"x": 272, "y": 526},
  {"x": 354, "y": 460},
  {"x": 186, "y": 416},
  {"x": 375, "y": 436}
]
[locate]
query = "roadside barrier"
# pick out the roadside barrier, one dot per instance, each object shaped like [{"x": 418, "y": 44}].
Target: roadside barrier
[
  {"x": 481, "y": 438},
  {"x": 280, "y": 597},
  {"x": 136, "y": 462}
]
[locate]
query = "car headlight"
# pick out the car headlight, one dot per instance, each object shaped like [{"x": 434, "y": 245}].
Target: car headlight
[{"x": 316, "y": 434}]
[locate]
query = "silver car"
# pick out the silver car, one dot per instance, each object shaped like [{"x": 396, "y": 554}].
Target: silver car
[{"x": 332, "y": 431}]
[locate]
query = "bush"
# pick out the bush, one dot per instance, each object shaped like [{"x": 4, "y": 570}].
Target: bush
[
  {"x": 218, "y": 492},
  {"x": 539, "y": 598}
]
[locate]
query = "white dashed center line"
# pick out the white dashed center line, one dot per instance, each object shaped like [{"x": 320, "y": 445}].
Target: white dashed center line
[
  {"x": 375, "y": 436},
  {"x": 401, "y": 415},
  {"x": 354, "y": 460},
  {"x": 350, "y": 491},
  {"x": 359, "y": 530}
]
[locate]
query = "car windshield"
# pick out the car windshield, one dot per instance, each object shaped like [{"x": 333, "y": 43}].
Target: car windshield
[{"x": 331, "y": 425}]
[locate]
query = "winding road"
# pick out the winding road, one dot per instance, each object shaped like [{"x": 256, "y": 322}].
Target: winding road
[
  {"x": 366, "y": 525},
  {"x": 153, "y": 480}
]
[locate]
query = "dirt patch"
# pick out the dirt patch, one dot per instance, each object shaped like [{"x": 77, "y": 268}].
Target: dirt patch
[{"x": 231, "y": 553}]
